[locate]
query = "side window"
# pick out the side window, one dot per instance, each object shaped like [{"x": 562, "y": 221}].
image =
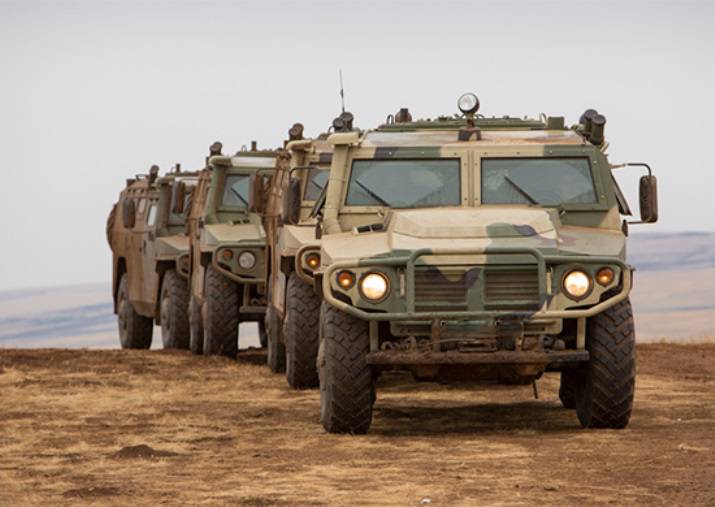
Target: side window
[{"x": 151, "y": 217}]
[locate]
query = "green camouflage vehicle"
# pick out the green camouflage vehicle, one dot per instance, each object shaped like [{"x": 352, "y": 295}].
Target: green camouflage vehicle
[
  {"x": 150, "y": 259},
  {"x": 499, "y": 254},
  {"x": 228, "y": 241},
  {"x": 293, "y": 250}
]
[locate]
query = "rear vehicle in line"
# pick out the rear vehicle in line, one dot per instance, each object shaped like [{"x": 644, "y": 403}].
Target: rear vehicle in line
[
  {"x": 150, "y": 259},
  {"x": 228, "y": 267},
  {"x": 477, "y": 248}
]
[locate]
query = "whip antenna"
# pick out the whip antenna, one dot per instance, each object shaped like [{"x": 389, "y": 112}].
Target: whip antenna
[{"x": 342, "y": 92}]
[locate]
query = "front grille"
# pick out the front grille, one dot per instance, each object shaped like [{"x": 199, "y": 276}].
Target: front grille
[
  {"x": 442, "y": 288},
  {"x": 511, "y": 288}
]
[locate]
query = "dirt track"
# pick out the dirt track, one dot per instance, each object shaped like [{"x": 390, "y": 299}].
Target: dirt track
[{"x": 114, "y": 427}]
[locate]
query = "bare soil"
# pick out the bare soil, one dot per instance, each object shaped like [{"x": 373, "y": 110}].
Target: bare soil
[{"x": 150, "y": 428}]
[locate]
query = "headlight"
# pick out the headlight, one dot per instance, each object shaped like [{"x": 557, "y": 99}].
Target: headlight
[
  {"x": 577, "y": 284},
  {"x": 246, "y": 260},
  {"x": 312, "y": 260},
  {"x": 374, "y": 286}
]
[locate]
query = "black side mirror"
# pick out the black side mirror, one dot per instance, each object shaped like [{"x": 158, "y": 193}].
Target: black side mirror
[
  {"x": 648, "y": 197},
  {"x": 291, "y": 203},
  {"x": 129, "y": 213},
  {"x": 178, "y": 197},
  {"x": 255, "y": 194}
]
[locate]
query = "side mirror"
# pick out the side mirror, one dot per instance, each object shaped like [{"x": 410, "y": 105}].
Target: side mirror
[
  {"x": 178, "y": 197},
  {"x": 255, "y": 194},
  {"x": 291, "y": 203},
  {"x": 648, "y": 197},
  {"x": 129, "y": 213}
]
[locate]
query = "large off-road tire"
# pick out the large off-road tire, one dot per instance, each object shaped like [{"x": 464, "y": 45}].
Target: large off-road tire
[
  {"x": 606, "y": 384},
  {"x": 196, "y": 328},
  {"x": 276, "y": 352},
  {"x": 300, "y": 332},
  {"x": 262, "y": 335},
  {"x": 174, "y": 307},
  {"x": 347, "y": 383},
  {"x": 222, "y": 299},
  {"x": 567, "y": 388},
  {"x": 134, "y": 330}
]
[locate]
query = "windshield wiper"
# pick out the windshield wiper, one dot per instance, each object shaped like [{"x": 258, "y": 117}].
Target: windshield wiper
[
  {"x": 373, "y": 194},
  {"x": 239, "y": 196},
  {"x": 521, "y": 191}
]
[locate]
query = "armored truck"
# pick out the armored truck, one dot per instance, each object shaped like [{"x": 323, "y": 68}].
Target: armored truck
[
  {"x": 150, "y": 259},
  {"x": 293, "y": 253},
  {"x": 495, "y": 251},
  {"x": 228, "y": 241}
]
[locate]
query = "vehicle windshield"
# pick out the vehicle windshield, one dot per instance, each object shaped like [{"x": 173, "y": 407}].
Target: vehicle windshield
[
  {"x": 317, "y": 178},
  {"x": 235, "y": 191},
  {"x": 404, "y": 183},
  {"x": 537, "y": 181}
]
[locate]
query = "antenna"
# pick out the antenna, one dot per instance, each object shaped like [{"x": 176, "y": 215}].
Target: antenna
[{"x": 342, "y": 93}]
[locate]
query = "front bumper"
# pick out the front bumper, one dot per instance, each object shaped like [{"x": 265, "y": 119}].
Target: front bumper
[
  {"x": 407, "y": 263},
  {"x": 255, "y": 275}
]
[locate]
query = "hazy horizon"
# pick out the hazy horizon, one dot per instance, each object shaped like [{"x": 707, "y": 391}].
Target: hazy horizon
[{"x": 94, "y": 92}]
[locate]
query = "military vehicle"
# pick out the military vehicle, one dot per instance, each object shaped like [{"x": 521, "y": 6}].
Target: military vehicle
[
  {"x": 495, "y": 251},
  {"x": 293, "y": 253},
  {"x": 228, "y": 268},
  {"x": 150, "y": 259}
]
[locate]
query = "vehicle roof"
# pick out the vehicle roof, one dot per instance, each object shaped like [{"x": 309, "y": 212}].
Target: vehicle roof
[{"x": 435, "y": 137}]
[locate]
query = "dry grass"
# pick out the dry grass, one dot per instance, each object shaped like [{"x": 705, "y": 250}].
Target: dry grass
[{"x": 132, "y": 428}]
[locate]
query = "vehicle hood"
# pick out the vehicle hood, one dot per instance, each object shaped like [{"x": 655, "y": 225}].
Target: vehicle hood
[
  {"x": 171, "y": 246},
  {"x": 213, "y": 235},
  {"x": 473, "y": 228}
]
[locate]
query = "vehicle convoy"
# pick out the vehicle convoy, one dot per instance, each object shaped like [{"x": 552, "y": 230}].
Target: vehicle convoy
[
  {"x": 293, "y": 253},
  {"x": 150, "y": 259},
  {"x": 227, "y": 244},
  {"x": 477, "y": 248}
]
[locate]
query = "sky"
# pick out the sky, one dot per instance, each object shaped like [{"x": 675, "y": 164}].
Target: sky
[{"x": 94, "y": 92}]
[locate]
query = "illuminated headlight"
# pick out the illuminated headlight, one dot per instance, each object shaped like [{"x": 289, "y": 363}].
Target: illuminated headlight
[
  {"x": 312, "y": 260},
  {"x": 374, "y": 286},
  {"x": 468, "y": 103},
  {"x": 577, "y": 284},
  {"x": 246, "y": 260}
]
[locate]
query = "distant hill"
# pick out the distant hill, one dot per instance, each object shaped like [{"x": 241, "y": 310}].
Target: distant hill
[{"x": 673, "y": 298}]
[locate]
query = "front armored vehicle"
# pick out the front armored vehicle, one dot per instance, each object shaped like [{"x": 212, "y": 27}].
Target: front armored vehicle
[
  {"x": 150, "y": 259},
  {"x": 499, "y": 255},
  {"x": 228, "y": 242}
]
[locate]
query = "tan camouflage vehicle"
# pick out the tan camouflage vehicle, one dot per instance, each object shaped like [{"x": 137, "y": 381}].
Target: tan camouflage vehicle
[
  {"x": 150, "y": 259},
  {"x": 228, "y": 241},
  {"x": 478, "y": 248},
  {"x": 293, "y": 250}
]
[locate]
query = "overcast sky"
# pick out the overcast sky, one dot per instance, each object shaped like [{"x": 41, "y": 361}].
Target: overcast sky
[{"x": 94, "y": 92}]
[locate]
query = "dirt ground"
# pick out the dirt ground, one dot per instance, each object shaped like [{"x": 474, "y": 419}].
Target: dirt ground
[{"x": 149, "y": 428}]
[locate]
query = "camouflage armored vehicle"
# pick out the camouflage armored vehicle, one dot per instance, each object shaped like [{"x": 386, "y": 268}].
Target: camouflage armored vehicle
[
  {"x": 293, "y": 253},
  {"x": 228, "y": 242},
  {"x": 497, "y": 252},
  {"x": 150, "y": 259}
]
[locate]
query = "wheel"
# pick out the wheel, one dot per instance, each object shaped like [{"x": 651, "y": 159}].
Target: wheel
[
  {"x": 276, "y": 350},
  {"x": 567, "y": 388},
  {"x": 134, "y": 330},
  {"x": 300, "y": 332},
  {"x": 347, "y": 384},
  {"x": 221, "y": 297},
  {"x": 606, "y": 384},
  {"x": 262, "y": 336},
  {"x": 174, "y": 308},
  {"x": 196, "y": 328}
]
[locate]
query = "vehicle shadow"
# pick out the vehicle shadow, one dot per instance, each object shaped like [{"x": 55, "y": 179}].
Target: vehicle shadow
[{"x": 524, "y": 417}]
